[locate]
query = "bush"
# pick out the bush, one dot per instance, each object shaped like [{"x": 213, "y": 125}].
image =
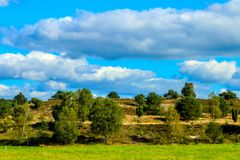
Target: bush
[
  {"x": 189, "y": 108},
  {"x": 214, "y": 133},
  {"x": 139, "y": 111},
  {"x": 113, "y": 94},
  {"x": 66, "y": 127}
]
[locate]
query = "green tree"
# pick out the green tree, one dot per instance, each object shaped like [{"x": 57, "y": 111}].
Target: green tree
[
  {"x": 227, "y": 95},
  {"x": 66, "y": 127},
  {"x": 6, "y": 110},
  {"x": 214, "y": 109},
  {"x": 235, "y": 115},
  {"x": 22, "y": 116},
  {"x": 171, "y": 94},
  {"x": 174, "y": 130},
  {"x": 189, "y": 108},
  {"x": 224, "y": 106},
  {"x": 85, "y": 101},
  {"x": 20, "y": 99},
  {"x": 139, "y": 111},
  {"x": 188, "y": 90},
  {"x": 106, "y": 117},
  {"x": 59, "y": 95},
  {"x": 153, "y": 104},
  {"x": 214, "y": 133},
  {"x": 140, "y": 99},
  {"x": 37, "y": 103},
  {"x": 113, "y": 94}
]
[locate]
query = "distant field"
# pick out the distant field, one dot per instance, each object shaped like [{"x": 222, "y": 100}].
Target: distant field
[{"x": 132, "y": 152}]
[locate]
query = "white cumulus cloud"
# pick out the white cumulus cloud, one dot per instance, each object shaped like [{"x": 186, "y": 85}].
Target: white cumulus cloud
[
  {"x": 155, "y": 33},
  {"x": 209, "y": 71}
]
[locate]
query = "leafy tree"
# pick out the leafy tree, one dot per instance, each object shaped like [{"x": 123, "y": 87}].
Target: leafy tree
[
  {"x": 113, "y": 94},
  {"x": 214, "y": 133},
  {"x": 153, "y": 99},
  {"x": 66, "y": 127},
  {"x": 227, "y": 95},
  {"x": 140, "y": 99},
  {"x": 171, "y": 95},
  {"x": 59, "y": 95},
  {"x": 224, "y": 106},
  {"x": 189, "y": 108},
  {"x": 139, "y": 111},
  {"x": 174, "y": 130},
  {"x": 188, "y": 90},
  {"x": 106, "y": 117},
  {"x": 20, "y": 99},
  {"x": 22, "y": 116},
  {"x": 6, "y": 108},
  {"x": 37, "y": 103},
  {"x": 85, "y": 101},
  {"x": 214, "y": 109},
  {"x": 235, "y": 115}
]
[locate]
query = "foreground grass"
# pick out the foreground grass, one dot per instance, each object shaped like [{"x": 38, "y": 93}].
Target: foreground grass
[{"x": 132, "y": 152}]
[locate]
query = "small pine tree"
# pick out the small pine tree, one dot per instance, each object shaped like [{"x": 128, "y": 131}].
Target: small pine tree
[
  {"x": 214, "y": 133},
  {"x": 235, "y": 115}
]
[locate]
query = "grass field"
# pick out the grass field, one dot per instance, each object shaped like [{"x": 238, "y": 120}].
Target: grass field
[{"x": 132, "y": 152}]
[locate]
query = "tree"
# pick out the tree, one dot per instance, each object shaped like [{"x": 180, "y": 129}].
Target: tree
[
  {"x": 235, "y": 115},
  {"x": 227, "y": 95},
  {"x": 37, "y": 103},
  {"x": 174, "y": 130},
  {"x": 59, "y": 95},
  {"x": 224, "y": 106},
  {"x": 6, "y": 110},
  {"x": 214, "y": 133},
  {"x": 113, "y": 94},
  {"x": 188, "y": 90},
  {"x": 140, "y": 99},
  {"x": 85, "y": 101},
  {"x": 214, "y": 109},
  {"x": 66, "y": 127},
  {"x": 153, "y": 99},
  {"x": 106, "y": 117},
  {"x": 171, "y": 95},
  {"x": 20, "y": 99},
  {"x": 22, "y": 116},
  {"x": 189, "y": 108},
  {"x": 139, "y": 111}
]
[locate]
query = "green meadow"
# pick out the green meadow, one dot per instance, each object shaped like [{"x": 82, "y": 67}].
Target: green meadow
[{"x": 121, "y": 152}]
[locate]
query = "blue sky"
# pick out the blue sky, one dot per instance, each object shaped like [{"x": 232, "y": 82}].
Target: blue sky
[{"x": 132, "y": 47}]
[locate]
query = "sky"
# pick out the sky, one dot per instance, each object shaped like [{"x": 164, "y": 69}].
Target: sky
[{"x": 131, "y": 47}]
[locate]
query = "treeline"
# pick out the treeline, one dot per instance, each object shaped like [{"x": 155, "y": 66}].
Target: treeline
[{"x": 74, "y": 110}]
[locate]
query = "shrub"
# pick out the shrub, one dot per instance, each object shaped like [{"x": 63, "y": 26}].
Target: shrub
[
  {"x": 37, "y": 103},
  {"x": 139, "y": 111},
  {"x": 189, "y": 108},
  {"x": 214, "y": 133},
  {"x": 214, "y": 110},
  {"x": 227, "y": 95}
]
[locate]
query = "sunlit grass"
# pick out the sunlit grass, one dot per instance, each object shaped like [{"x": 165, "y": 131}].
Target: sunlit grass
[{"x": 132, "y": 152}]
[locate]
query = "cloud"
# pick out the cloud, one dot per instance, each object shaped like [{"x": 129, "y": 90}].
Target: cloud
[
  {"x": 155, "y": 33},
  {"x": 4, "y": 3},
  {"x": 55, "y": 72},
  {"x": 209, "y": 71}
]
